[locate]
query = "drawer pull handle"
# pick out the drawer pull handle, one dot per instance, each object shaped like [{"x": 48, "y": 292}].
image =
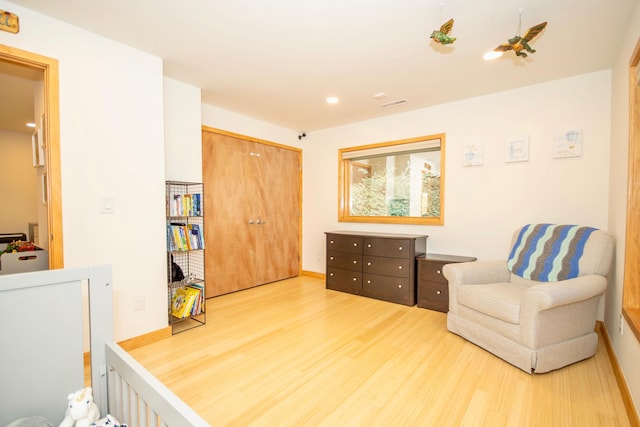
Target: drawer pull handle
[
  {"x": 355, "y": 245},
  {"x": 331, "y": 274},
  {"x": 331, "y": 242},
  {"x": 437, "y": 292},
  {"x": 331, "y": 258},
  {"x": 368, "y": 263},
  {"x": 368, "y": 282},
  {"x": 399, "y": 267},
  {"x": 400, "y": 248},
  {"x": 355, "y": 279},
  {"x": 438, "y": 272},
  {"x": 355, "y": 261},
  {"x": 399, "y": 286},
  {"x": 369, "y": 245}
]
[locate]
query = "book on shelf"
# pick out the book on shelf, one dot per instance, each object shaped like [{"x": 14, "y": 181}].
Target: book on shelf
[
  {"x": 179, "y": 237},
  {"x": 195, "y": 235},
  {"x": 185, "y": 204},
  {"x": 187, "y": 301},
  {"x": 178, "y": 302},
  {"x": 199, "y": 299},
  {"x": 197, "y": 204}
]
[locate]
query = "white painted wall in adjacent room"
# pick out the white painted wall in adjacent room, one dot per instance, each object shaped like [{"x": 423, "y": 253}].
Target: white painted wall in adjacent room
[{"x": 18, "y": 183}]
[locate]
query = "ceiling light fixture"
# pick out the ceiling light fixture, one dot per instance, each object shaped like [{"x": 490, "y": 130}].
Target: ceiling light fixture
[
  {"x": 491, "y": 55},
  {"x": 332, "y": 100}
]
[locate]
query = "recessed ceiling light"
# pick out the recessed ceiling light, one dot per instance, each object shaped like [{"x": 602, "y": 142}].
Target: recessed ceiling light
[
  {"x": 31, "y": 125},
  {"x": 491, "y": 55},
  {"x": 332, "y": 100},
  {"x": 379, "y": 95}
]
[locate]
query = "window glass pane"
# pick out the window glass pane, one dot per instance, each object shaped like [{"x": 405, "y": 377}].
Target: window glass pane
[
  {"x": 403, "y": 185},
  {"x": 393, "y": 180}
]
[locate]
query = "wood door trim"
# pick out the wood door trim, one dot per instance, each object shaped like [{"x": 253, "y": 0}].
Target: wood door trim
[{"x": 49, "y": 67}]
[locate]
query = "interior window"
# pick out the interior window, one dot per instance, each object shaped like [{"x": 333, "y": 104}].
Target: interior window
[{"x": 393, "y": 182}]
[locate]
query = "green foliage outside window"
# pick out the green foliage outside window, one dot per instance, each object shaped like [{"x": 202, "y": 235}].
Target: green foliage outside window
[{"x": 369, "y": 194}]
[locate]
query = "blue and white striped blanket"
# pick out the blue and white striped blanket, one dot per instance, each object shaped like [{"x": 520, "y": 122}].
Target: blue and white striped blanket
[{"x": 548, "y": 252}]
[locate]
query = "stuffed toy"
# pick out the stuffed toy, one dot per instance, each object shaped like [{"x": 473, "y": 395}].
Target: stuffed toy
[
  {"x": 108, "y": 421},
  {"x": 81, "y": 410}
]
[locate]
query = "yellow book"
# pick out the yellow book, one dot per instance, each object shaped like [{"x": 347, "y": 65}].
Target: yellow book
[
  {"x": 178, "y": 302},
  {"x": 192, "y": 297}
]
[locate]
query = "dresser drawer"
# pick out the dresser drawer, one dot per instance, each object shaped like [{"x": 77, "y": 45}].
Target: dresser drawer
[
  {"x": 433, "y": 295},
  {"x": 396, "y": 248},
  {"x": 344, "y": 260},
  {"x": 431, "y": 271},
  {"x": 344, "y": 280},
  {"x": 344, "y": 243},
  {"x": 395, "y": 289},
  {"x": 433, "y": 287},
  {"x": 396, "y": 267}
]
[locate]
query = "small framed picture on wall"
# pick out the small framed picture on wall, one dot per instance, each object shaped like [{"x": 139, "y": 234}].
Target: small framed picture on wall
[
  {"x": 473, "y": 154},
  {"x": 567, "y": 143},
  {"x": 517, "y": 150}
]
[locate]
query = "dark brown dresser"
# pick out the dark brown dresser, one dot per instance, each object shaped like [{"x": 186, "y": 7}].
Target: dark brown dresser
[
  {"x": 433, "y": 288},
  {"x": 375, "y": 265}
]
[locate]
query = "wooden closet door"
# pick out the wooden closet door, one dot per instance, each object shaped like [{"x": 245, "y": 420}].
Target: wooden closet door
[
  {"x": 278, "y": 236},
  {"x": 252, "y": 212},
  {"x": 229, "y": 196}
]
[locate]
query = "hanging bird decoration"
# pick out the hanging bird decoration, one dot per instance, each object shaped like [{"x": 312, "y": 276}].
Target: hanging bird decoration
[
  {"x": 442, "y": 35},
  {"x": 521, "y": 43}
]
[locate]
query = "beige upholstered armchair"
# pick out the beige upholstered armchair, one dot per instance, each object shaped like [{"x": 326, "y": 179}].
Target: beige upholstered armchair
[{"x": 537, "y": 309}]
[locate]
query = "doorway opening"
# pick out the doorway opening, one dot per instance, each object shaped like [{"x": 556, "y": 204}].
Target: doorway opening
[{"x": 49, "y": 125}]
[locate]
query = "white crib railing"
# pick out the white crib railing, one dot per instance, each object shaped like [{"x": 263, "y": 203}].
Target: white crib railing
[{"x": 139, "y": 399}]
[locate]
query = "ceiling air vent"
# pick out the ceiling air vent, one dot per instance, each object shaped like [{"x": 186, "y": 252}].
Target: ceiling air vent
[{"x": 394, "y": 103}]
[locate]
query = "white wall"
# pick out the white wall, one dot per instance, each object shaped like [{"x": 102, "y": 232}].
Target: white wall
[
  {"x": 626, "y": 346},
  {"x": 182, "y": 131},
  {"x": 483, "y": 204},
  {"x": 18, "y": 183},
  {"x": 112, "y": 145},
  {"x": 229, "y": 121}
]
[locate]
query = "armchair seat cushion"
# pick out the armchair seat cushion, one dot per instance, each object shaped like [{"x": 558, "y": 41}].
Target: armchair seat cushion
[{"x": 500, "y": 300}]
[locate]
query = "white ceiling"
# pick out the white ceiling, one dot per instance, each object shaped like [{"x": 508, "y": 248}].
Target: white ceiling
[{"x": 278, "y": 60}]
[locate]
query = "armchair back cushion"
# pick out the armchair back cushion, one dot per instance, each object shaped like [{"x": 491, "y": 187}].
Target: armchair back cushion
[{"x": 552, "y": 252}]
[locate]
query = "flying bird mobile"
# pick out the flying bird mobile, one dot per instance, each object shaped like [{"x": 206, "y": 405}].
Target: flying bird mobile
[
  {"x": 519, "y": 44},
  {"x": 442, "y": 35}
]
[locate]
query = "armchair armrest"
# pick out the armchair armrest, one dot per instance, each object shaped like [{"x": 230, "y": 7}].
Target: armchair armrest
[
  {"x": 544, "y": 296},
  {"x": 554, "y": 312},
  {"x": 475, "y": 273}
]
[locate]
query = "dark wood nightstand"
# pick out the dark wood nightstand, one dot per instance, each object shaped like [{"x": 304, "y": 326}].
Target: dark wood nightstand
[{"x": 433, "y": 288}]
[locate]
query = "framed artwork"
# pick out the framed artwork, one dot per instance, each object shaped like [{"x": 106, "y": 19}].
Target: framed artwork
[
  {"x": 567, "y": 143},
  {"x": 517, "y": 150},
  {"x": 473, "y": 154}
]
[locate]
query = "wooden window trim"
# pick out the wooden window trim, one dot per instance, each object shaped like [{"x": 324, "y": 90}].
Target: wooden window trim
[
  {"x": 631, "y": 285},
  {"x": 344, "y": 178}
]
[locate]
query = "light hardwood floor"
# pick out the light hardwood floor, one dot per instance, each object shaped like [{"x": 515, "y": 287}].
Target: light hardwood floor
[{"x": 292, "y": 353}]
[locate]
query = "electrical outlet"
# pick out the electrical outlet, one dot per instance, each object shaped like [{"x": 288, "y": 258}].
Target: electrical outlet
[
  {"x": 620, "y": 323},
  {"x": 139, "y": 302}
]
